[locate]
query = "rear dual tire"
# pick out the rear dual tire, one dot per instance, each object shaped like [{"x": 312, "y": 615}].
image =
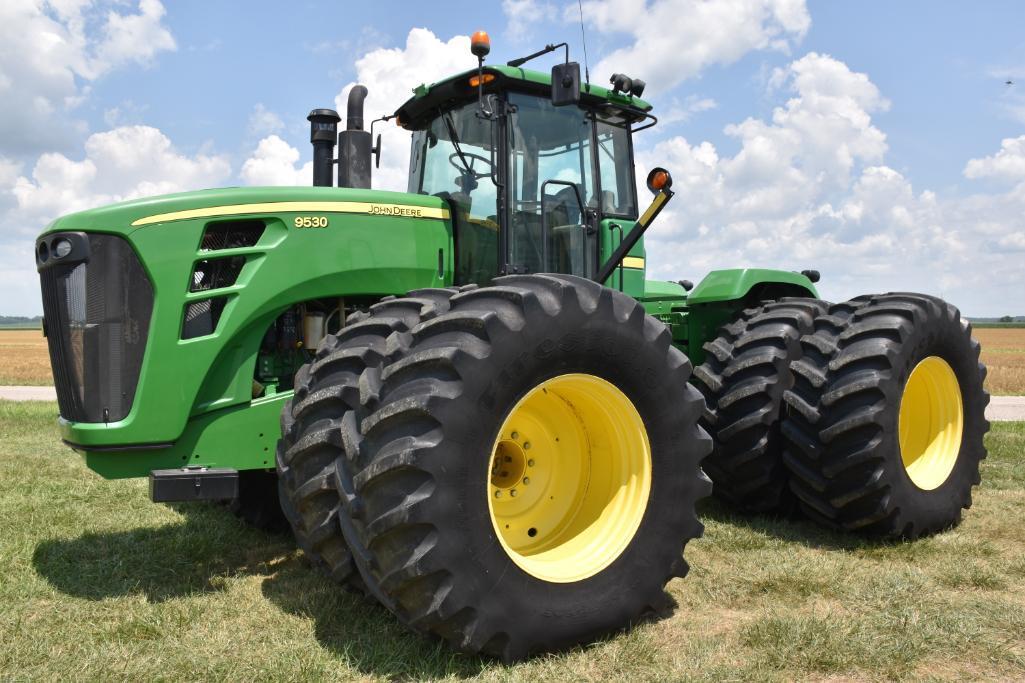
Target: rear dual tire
[
  {"x": 885, "y": 421},
  {"x": 743, "y": 378}
]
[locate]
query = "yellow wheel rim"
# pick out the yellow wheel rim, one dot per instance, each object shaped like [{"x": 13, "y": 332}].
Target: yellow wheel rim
[
  {"x": 570, "y": 477},
  {"x": 931, "y": 423}
]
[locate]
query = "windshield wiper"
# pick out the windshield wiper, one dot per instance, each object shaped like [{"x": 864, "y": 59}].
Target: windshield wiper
[{"x": 447, "y": 118}]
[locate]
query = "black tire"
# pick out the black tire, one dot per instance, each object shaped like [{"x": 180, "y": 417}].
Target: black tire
[
  {"x": 257, "y": 503},
  {"x": 326, "y": 391},
  {"x": 746, "y": 371},
  {"x": 843, "y": 447},
  {"x": 421, "y": 533}
]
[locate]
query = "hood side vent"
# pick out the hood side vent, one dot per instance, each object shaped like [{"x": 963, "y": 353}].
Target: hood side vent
[
  {"x": 216, "y": 273},
  {"x": 232, "y": 235}
]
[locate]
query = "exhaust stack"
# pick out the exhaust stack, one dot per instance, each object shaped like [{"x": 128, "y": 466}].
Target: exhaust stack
[
  {"x": 323, "y": 129},
  {"x": 354, "y": 144}
]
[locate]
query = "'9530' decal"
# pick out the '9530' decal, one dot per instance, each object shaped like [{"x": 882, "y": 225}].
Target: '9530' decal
[{"x": 310, "y": 221}]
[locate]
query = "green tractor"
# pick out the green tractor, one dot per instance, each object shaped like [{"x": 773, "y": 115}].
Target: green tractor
[{"x": 466, "y": 400}]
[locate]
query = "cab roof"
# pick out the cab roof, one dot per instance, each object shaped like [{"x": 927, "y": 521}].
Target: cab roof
[{"x": 456, "y": 90}]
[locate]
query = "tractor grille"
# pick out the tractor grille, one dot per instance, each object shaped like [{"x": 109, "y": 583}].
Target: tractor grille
[{"x": 97, "y": 302}]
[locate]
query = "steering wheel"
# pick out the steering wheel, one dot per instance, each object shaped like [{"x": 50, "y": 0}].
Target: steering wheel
[
  {"x": 567, "y": 197},
  {"x": 457, "y": 161}
]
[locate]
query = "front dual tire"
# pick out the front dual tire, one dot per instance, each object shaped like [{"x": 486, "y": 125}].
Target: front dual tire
[{"x": 521, "y": 472}]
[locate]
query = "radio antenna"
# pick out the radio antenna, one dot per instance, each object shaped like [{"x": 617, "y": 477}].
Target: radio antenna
[{"x": 583, "y": 39}]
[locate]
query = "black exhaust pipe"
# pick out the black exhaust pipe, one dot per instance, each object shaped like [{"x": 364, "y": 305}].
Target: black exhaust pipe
[
  {"x": 354, "y": 144},
  {"x": 323, "y": 131}
]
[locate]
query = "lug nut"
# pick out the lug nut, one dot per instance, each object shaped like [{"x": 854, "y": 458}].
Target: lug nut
[
  {"x": 526, "y": 481},
  {"x": 498, "y": 494},
  {"x": 530, "y": 463},
  {"x": 526, "y": 445},
  {"x": 515, "y": 435},
  {"x": 513, "y": 493}
]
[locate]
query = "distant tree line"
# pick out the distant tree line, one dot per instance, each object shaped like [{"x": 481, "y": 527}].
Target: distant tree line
[
  {"x": 20, "y": 320},
  {"x": 1002, "y": 319}
]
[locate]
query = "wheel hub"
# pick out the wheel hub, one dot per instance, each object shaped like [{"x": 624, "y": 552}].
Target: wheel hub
[
  {"x": 570, "y": 477},
  {"x": 931, "y": 423}
]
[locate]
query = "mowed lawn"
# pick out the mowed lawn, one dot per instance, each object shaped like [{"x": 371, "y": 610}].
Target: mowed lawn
[
  {"x": 24, "y": 359},
  {"x": 98, "y": 583}
]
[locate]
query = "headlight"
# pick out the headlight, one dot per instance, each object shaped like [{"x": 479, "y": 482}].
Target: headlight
[{"x": 61, "y": 248}]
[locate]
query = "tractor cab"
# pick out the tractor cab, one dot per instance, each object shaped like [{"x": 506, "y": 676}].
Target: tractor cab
[{"x": 534, "y": 184}]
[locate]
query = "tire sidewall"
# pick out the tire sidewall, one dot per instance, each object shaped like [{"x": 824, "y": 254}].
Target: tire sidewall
[
  {"x": 616, "y": 351},
  {"x": 942, "y": 337}
]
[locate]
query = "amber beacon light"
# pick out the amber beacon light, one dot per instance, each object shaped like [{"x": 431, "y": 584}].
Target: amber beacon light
[{"x": 480, "y": 44}]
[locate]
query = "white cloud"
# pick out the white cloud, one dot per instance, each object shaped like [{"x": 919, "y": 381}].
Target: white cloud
[
  {"x": 9, "y": 171},
  {"x": 523, "y": 15},
  {"x": 810, "y": 189},
  {"x": 125, "y": 113},
  {"x": 273, "y": 163},
  {"x": 1007, "y": 164},
  {"x": 676, "y": 39},
  {"x": 390, "y": 74},
  {"x": 264, "y": 122},
  {"x": 681, "y": 112},
  {"x": 1013, "y": 242},
  {"x": 50, "y": 51},
  {"x": 123, "y": 163},
  {"x": 131, "y": 38},
  {"x": 806, "y": 152}
]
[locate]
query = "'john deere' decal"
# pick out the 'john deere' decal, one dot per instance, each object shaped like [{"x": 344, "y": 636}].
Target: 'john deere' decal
[{"x": 371, "y": 208}]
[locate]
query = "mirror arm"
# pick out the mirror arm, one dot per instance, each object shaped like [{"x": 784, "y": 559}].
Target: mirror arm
[
  {"x": 376, "y": 149},
  {"x": 662, "y": 198}
]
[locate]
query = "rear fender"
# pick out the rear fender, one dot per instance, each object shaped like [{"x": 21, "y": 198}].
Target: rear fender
[{"x": 723, "y": 293}]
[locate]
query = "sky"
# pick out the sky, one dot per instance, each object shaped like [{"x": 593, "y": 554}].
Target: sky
[{"x": 875, "y": 141}]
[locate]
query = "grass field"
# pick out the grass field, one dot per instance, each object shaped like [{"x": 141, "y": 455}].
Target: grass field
[
  {"x": 98, "y": 583},
  {"x": 25, "y": 361}
]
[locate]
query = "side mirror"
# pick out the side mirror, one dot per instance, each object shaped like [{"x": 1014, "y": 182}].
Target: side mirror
[
  {"x": 565, "y": 84},
  {"x": 659, "y": 179}
]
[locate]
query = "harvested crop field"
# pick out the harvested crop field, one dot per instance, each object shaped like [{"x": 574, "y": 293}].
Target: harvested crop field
[
  {"x": 24, "y": 359},
  {"x": 1003, "y": 352}
]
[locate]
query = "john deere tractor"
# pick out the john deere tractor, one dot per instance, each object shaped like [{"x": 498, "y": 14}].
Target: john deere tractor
[{"x": 466, "y": 399}]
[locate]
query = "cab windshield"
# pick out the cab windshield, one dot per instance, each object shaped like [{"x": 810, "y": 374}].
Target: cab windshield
[
  {"x": 564, "y": 169},
  {"x": 453, "y": 159}
]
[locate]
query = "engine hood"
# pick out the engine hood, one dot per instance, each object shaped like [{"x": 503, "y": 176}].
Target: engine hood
[{"x": 126, "y": 217}]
